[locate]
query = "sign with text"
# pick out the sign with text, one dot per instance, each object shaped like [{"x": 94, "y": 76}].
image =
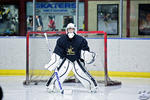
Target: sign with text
[
  {"x": 60, "y": 8},
  {"x": 54, "y": 16}
]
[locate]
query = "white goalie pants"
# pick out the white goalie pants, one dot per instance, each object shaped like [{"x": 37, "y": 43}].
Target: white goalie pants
[{"x": 80, "y": 73}]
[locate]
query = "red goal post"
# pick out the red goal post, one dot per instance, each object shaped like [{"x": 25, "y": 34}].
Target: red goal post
[{"x": 107, "y": 81}]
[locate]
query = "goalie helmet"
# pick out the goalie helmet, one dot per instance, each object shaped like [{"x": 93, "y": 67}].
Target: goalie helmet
[{"x": 71, "y": 34}]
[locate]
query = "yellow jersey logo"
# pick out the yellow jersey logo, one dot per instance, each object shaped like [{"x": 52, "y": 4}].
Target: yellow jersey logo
[{"x": 70, "y": 51}]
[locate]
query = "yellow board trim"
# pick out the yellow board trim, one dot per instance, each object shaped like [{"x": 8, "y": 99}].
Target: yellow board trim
[
  {"x": 7, "y": 72},
  {"x": 10, "y": 72}
]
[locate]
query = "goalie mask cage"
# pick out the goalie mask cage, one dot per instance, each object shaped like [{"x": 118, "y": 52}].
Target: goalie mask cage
[{"x": 38, "y": 54}]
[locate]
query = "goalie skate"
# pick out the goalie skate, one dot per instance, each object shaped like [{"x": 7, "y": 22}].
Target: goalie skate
[
  {"x": 94, "y": 90},
  {"x": 52, "y": 89}
]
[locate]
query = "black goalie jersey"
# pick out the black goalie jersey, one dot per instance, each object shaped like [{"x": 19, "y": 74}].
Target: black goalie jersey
[{"x": 70, "y": 48}]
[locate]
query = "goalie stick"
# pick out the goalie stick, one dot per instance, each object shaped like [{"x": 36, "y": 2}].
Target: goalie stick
[{"x": 56, "y": 70}]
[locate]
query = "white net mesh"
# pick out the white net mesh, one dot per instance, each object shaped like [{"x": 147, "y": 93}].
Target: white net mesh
[{"x": 38, "y": 55}]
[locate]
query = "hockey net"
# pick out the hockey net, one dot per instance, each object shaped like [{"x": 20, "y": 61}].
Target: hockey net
[{"x": 38, "y": 54}]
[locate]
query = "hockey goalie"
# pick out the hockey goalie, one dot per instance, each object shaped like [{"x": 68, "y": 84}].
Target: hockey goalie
[{"x": 71, "y": 53}]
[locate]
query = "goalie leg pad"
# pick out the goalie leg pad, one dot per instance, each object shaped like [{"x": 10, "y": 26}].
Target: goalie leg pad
[
  {"x": 63, "y": 71},
  {"x": 84, "y": 76}
]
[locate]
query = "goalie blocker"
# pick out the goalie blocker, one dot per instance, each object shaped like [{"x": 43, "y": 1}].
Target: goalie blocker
[{"x": 71, "y": 53}]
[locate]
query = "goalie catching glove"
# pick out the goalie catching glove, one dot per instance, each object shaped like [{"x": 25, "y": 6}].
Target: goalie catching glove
[
  {"x": 88, "y": 57},
  {"x": 54, "y": 62}
]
